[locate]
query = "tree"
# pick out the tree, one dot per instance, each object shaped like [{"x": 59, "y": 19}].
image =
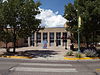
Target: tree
[
  {"x": 19, "y": 15},
  {"x": 6, "y": 37},
  {"x": 5, "y": 33},
  {"x": 90, "y": 14}
]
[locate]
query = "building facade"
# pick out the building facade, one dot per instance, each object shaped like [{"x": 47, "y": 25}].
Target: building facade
[{"x": 54, "y": 37}]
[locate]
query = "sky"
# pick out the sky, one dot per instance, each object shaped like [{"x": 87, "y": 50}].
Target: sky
[
  {"x": 50, "y": 18},
  {"x": 55, "y": 5},
  {"x": 52, "y": 12}
]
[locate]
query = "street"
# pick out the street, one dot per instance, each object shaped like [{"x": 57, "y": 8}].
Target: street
[{"x": 48, "y": 67}]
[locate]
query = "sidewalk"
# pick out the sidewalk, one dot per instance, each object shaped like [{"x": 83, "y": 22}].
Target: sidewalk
[{"x": 51, "y": 53}]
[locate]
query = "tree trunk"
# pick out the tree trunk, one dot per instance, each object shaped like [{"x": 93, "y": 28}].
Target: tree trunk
[
  {"x": 14, "y": 41},
  {"x": 7, "y": 48}
]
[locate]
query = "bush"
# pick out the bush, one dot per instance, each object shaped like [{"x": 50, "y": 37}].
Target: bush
[
  {"x": 69, "y": 53},
  {"x": 90, "y": 53},
  {"x": 78, "y": 55}
]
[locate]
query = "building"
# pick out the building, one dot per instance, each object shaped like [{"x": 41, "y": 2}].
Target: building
[{"x": 54, "y": 36}]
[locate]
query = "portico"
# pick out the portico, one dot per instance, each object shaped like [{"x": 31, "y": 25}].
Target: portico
[{"x": 54, "y": 37}]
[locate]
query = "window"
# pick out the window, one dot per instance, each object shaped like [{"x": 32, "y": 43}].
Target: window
[
  {"x": 45, "y": 36},
  {"x": 51, "y": 37},
  {"x": 38, "y": 37},
  {"x": 58, "y": 35},
  {"x": 32, "y": 40}
]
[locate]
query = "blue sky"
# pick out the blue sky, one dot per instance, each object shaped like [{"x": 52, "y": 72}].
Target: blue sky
[
  {"x": 52, "y": 12},
  {"x": 55, "y": 5}
]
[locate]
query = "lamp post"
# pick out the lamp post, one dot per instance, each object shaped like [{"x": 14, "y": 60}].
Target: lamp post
[{"x": 79, "y": 24}]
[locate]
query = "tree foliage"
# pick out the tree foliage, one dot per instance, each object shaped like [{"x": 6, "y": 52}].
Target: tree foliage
[
  {"x": 19, "y": 16},
  {"x": 89, "y": 10}
]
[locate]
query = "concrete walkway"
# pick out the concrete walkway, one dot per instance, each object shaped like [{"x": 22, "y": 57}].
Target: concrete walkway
[{"x": 51, "y": 53}]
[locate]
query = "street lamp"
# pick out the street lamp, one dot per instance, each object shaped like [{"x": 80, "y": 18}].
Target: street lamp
[{"x": 79, "y": 24}]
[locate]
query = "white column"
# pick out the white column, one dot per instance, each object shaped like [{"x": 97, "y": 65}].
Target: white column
[
  {"x": 35, "y": 43},
  {"x": 68, "y": 44},
  {"x": 48, "y": 39},
  {"x": 29, "y": 42},
  {"x": 68, "y": 40},
  {"x": 61, "y": 39}
]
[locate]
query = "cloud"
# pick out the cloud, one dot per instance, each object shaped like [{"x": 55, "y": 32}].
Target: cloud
[{"x": 51, "y": 19}]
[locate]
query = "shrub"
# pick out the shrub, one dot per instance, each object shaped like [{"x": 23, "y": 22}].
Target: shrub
[
  {"x": 90, "y": 53},
  {"x": 69, "y": 53},
  {"x": 78, "y": 55}
]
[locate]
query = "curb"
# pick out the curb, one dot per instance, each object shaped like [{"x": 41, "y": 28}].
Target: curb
[
  {"x": 18, "y": 57},
  {"x": 85, "y": 58}
]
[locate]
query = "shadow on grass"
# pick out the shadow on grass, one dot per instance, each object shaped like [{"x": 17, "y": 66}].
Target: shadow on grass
[{"x": 33, "y": 53}]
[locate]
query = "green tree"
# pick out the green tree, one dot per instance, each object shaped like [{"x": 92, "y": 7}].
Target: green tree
[
  {"x": 19, "y": 15},
  {"x": 89, "y": 10},
  {"x": 6, "y": 37}
]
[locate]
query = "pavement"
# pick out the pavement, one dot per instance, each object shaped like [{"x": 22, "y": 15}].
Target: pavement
[
  {"x": 38, "y": 53},
  {"x": 51, "y": 53},
  {"x": 48, "y": 61},
  {"x": 48, "y": 67}
]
